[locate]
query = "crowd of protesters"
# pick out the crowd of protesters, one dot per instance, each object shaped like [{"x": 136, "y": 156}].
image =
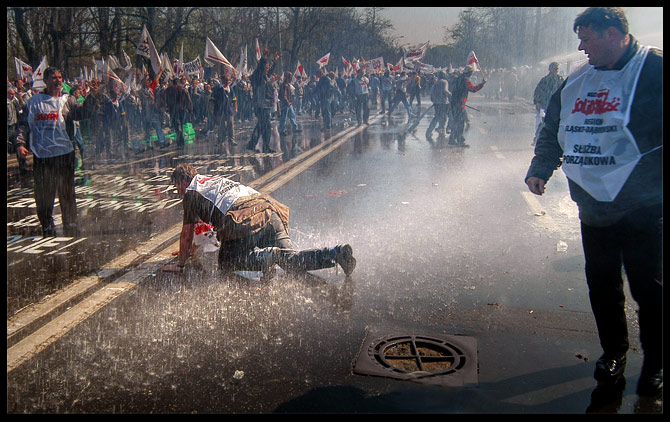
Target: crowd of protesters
[{"x": 133, "y": 120}]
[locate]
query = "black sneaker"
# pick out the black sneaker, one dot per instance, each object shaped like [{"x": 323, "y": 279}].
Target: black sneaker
[
  {"x": 344, "y": 256},
  {"x": 609, "y": 368}
]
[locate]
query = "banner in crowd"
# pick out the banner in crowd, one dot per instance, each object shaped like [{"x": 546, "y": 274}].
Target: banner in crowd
[
  {"x": 323, "y": 61},
  {"x": 23, "y": 69},
  {"x": 146, "y": 48},
  {"x": 193, "y": 67},
  {"x": 416, "y": 53},
  {"x": 373, "y": 65}
]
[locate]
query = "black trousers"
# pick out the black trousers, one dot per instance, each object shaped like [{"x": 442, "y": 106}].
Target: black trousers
[
  {"x": 636, "y": 243},
  {"x": 55, "y": 175},
  {"x": 274, "y": 241}
]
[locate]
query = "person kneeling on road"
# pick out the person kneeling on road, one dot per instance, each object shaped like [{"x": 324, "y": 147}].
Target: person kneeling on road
[{"x": 251, "y": 227}]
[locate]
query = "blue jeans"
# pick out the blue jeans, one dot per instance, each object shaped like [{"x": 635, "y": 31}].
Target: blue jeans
[
  {"x": 155, "y": 125},
  {"x": 287, "y": 111}
]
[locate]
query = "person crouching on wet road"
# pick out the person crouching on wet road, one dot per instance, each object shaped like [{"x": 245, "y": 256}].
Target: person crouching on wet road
[
  {"x": 50, "y": 129},
  {"x": 619, "y": 134},
  {"x": 251, "y": 227}
]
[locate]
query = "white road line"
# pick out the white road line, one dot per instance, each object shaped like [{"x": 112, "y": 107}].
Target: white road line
[{"x": 498, "y": 154}]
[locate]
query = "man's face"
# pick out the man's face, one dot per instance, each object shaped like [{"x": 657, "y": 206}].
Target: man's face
[
  {"x": 54, "y": 82},
  {"x": 595, "y": 46}
]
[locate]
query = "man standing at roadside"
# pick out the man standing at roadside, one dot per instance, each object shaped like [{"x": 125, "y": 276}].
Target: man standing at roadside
[
  {"x": 50, "y": 129},
  {"x": 606, "y": 124},
  {"x": 543, "y": 91}
]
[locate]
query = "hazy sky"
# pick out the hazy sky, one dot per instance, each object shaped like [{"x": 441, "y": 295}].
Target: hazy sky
[{"x": 420, "y": 24}]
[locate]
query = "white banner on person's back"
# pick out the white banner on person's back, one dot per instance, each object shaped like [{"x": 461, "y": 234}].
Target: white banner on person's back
[{"x": 220, "y": 191}]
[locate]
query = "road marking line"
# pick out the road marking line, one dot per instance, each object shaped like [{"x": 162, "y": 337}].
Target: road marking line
[{"x": 498, "y": 154}]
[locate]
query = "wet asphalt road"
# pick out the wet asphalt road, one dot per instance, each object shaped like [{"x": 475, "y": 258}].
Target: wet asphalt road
[{"x": 447, "y": 240}]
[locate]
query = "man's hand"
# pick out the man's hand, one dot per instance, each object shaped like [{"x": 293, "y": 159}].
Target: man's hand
[
  {"x": 23, "y": 151},
  {"x": 535, "y": 185}
]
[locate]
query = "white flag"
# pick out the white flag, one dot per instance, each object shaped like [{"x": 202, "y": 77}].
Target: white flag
[
  {"x": 38, "y": 76},
  {"x": 323, "y": 61},
  {"x": 23, "y": 70},
  {"x": 128, "y": 63},
  {"x": 168, "y": 70},
  {"x": 180, "y": 62},
  {"x": 146, "y": 48},
  {"x": 258, "y": 51},
  {"x": 213, "y": 53},
  {"x": 114, "y": 62},
  {"x": 242, "y": 66}
]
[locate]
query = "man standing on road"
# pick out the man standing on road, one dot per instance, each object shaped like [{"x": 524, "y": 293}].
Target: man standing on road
[
  {"x": 606, "y": 123},
  {"x": 251, "y": 227},
  {"x": 263, "y": 98},
  {"x": 462, "y": 86},
  {"x": 543, "y": 91},
  {"x": 361, "y": 98},
  {"x": 439, "y": 95},
  {"x": 50, "y": 129}
]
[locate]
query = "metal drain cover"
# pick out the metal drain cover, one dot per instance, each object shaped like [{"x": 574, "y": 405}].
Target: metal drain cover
[{"x": 427, "y": 358}]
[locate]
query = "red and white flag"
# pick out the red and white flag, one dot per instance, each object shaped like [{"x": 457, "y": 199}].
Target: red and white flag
[
  {"x": 346, "y": 62},
  {"x": 299, "y": 71},
  {"x": 416, "y": 53},
  {"x": 323, "y": 61},
  {"x": 23, "y": 70},
  {"x": 146, "y": 48},
  {"x": 472, "y": 61},
  {"x": 258, "y": 51},
  {"x": 213, "y": 53}
]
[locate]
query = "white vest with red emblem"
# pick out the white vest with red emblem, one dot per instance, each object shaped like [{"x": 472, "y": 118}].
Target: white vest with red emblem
[{"x": 599, "y": 151}]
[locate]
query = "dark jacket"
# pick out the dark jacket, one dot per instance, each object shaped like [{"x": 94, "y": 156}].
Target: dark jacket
[{"x": 644, "y": 187}]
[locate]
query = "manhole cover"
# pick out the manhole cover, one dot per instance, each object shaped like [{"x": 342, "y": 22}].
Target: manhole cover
[{"x": 427, "y": 358}]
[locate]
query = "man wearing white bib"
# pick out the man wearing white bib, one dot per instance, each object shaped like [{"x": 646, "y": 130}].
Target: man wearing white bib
[
  {"x": 251, "y": 227},
  {"x": 603, "y": 126}
]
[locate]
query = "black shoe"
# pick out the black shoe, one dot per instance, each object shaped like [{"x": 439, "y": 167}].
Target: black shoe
[
  {"x": 650, "y": 382},
  {"x": 344, "y": 256},
  {"x": 49, "y": 232},
  {"x": 609, "y": 369}
]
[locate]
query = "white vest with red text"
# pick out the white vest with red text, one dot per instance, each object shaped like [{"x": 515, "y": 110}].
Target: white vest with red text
[{"x": 599, "y": 151}]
